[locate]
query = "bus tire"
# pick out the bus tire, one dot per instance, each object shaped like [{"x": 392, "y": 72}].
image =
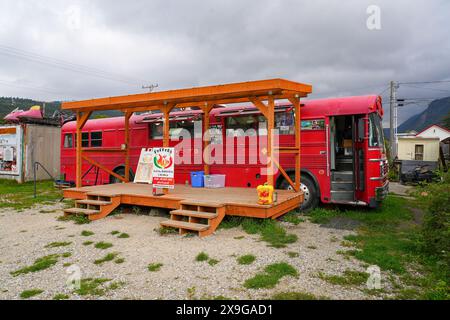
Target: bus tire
[
  {"x": 309, "y": 189},
  {"x": 120, "y": 171}
]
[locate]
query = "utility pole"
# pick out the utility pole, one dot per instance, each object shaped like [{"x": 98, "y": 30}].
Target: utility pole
[
  {"x": 150, "y": 87},
  {"x": 393, "y": 120}
]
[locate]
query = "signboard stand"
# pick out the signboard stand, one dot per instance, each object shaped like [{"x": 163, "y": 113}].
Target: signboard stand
[
  {"x": 163, "y": 169},
  {"x": 145, "y": 167}
]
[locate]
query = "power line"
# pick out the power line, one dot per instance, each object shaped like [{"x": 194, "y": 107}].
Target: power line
[
  {"x": 425, "y": 82},
  {"x": 426, "y": 88},
  {"x": 66, "y": 65},
  {"x": 14, "y": 85}
]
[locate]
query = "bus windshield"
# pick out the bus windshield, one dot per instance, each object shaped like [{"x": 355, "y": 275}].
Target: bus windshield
[{"x": 375, "y": 131}]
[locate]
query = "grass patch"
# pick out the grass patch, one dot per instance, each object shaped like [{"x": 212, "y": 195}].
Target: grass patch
[
  {"x": 116, "y": 285},
  {"x": 202, "y": 256},
  {"x": 293, "y": 254},
  {"x": 153, "y": 267},
  {"x": 269, "y": 230},
  {"x": 109, "y": 257},
  {"x": 58, "y": 244},
  {"x": 67, "y": 264},
  {"x": 213, "y": 262},
  {"x": 38, "y": 265},
  {"x": 239, "y": 237},
  {"x": 87, "y": 243},
  {"x": 66, "y": 254},
  {"x": 272, "y": 274},
  {"x": 30, "y": 293},
  {"x": 119, "y": 260},
  {"x": 246, "y": 259},
  {"x": 60, "y": 296},
  {"x": 166, "y": 230},
  {"x": 21, "y": 196},
  {"x": 86, "y": 233},
  {"x": 348, "y": 278},
  {"x": 115, "y": 232},
  {"x": 295, "y": 296},
  {"x": 90, "y": 286},
  {"x": 123, "y": 235},
  {"x": 293, "y": 217},
  {"x": 103, "y": 245},
  {"x": 76, "y": 218}
]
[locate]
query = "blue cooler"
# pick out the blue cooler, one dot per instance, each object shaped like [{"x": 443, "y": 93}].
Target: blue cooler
[{"x": 197, "y": 179}]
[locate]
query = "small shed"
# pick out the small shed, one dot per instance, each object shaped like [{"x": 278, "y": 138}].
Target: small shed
[
  {"x": 418, "y": 148},
  {"x": 24, "y": 144}
]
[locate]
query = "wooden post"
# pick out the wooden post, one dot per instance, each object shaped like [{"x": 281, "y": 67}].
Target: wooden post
[
  {"x": 206, "y": 108},
  {"x": 270, "y": 126},
  {"x": 79, "y": 160},
  {"x": 298, "y": 127},
  {"x": 82, "y": 117},
  {"x": 127, "y": 145},
  {"x": 166, "y": 136}
]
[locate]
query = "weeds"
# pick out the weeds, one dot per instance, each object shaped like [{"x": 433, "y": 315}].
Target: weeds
[
  {"x": 30, "y": 293},
  {"x": 348, "y": 278},
  {"x": 272, "y": 274},
  {"x": 58, "y": 244},
  {"x": 246, "y": 259},
  {"x": 109, "y": 257},
  {"x": 38, "y": 265},
  {"x": 90, "y": 286},
  {"x": 153, "y": 267},
  {"x": 60, "y": 296},
  {"x": 202, "y": 256},
  {"x": 86, "y": 233},
  {"x": 103, "y": 245}
]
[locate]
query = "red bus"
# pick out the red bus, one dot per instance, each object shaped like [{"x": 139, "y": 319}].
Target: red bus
[{"x": 343, "y": 159}]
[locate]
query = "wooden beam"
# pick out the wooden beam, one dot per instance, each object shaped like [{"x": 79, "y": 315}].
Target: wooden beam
[
  {"x": 296, "y": 104},
  {"x": 95, "y": 163},
  {"x": 82, "y": 118},
  {"x": 270, "y": 126},
  {"x": 286, "y": 176},
  {"x": 260, "y": 106},
  {"x": 206, "y": 110},
  {"x": 127, "y": 145}
]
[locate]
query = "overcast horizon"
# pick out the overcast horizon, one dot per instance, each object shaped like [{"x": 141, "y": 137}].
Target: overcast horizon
[{"x": 57, "y": 50}]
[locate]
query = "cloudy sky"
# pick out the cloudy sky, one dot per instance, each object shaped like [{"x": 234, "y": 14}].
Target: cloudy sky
[{"x": 65, "y": 50}]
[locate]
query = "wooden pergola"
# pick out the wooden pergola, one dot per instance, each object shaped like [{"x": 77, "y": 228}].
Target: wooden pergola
[{"x": 261, "y": 93}]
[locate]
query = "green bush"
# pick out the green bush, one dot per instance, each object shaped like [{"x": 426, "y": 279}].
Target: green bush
[{"x": 436, "y": 224}]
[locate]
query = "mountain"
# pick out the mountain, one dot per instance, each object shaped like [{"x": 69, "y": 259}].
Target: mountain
[
  {"x": 436, "y": 112},
  {"x": 8, "y": 104}
]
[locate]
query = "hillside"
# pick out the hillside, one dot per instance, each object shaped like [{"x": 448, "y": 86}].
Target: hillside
[
  {"x": 435, "y": 114},
  {"x": 8, "y": 104}
]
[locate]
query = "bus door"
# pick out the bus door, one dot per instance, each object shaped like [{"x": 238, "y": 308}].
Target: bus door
[{"x": 359, "y": 154}]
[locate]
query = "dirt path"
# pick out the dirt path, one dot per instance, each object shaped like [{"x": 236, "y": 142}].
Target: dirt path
[{"x": 24, "y": 236}]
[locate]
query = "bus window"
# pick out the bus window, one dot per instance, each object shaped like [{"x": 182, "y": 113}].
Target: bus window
[
  {"x": 68, "y": 140},
  {"x": 176, "y": 129},
  {"x": 96, "y": 139},
  {"x": 238, "y": 126},
  {"x": 85, "y": 139},
  {"x": 284, "y": 122},
  {"x": 375, "y": 131}
]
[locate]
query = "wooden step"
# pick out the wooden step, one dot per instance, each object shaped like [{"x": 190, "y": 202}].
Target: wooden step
[
  {"x": 94, "y": 202},
  {"x": 202, "y": 203},
  {"x": 191, "y": 213},
  {"x": 81, "y": 211},
  {"x": 184, "y": 225},
  {"x": 100, "y": 194}
]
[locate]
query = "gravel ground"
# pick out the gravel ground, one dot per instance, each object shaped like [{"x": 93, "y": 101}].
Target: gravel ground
[{"x": 24, "y": 235}]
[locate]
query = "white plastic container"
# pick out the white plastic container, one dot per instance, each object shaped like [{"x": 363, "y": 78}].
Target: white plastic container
[{"x": 214, "y": 181}]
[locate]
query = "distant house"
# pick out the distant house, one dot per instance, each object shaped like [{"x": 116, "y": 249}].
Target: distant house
[{"x": 423, "y": 146}]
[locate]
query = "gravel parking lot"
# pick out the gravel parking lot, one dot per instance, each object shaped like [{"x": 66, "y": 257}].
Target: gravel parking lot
[{"x": 26, "y": 236}]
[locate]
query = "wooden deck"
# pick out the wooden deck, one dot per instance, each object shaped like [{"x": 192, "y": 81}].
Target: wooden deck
[{"x": 236, "y": 201}]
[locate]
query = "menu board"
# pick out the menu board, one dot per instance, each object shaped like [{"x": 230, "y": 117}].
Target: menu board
[{"x": 10, "y": 155}]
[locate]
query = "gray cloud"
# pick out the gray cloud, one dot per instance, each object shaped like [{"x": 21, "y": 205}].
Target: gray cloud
[{"x": 189, "y": 43}]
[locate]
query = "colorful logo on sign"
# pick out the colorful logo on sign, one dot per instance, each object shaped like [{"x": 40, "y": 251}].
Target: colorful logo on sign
[{"x": 163, "y": 161}]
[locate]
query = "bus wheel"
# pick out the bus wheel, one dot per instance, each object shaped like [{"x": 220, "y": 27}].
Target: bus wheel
[
  {"x": 309, "y": 190},
  {"x": 121, "y": 172}
]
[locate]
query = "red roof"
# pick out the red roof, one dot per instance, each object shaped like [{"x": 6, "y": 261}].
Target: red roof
[{"x": 437, "y": 125}]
